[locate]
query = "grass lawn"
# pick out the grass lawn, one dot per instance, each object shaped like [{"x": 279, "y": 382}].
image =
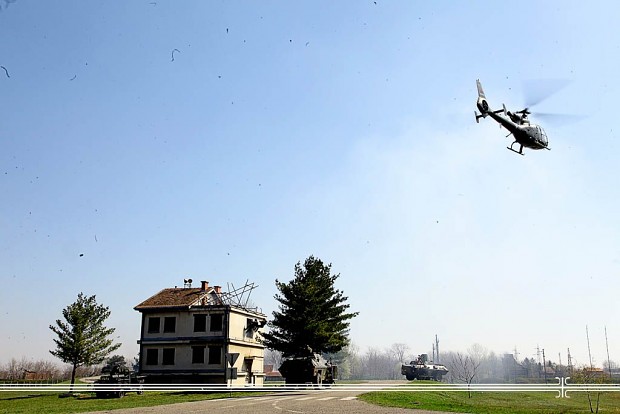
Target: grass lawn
[
  {"x": 50, "y": 403},
  {"x": 496, "y": 402}
]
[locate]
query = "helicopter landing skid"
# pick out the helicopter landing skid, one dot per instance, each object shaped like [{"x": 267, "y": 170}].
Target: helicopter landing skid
[{"x": 520, "y": 152}]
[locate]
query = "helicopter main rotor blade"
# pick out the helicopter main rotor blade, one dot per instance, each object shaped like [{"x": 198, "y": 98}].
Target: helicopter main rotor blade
[
  {"x": 557, "y": 119},
  {"x": 537, "y": 90}
]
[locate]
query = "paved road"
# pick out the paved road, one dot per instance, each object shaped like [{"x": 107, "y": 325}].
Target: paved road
[{"x": 315, "y": 402}]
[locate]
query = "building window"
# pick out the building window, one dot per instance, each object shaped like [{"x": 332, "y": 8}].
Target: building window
[
  {"x": 215, "y": 355},
  {"x": 200, "y": 323},
  {"x": 168, "y": 356},
  {"x": 151, "y": 356},
  {"x": 153, "y": 325},
  {"x": 170, "y": 324},
  {"x": 216, "y": 323},
  {"x": 249, "y": 328},
  {"x": 198, "y": 355}
]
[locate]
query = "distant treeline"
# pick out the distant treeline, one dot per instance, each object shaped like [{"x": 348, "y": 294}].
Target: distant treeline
[
  {"x": 476, "y": 365},
  {"x": 41, "y": 371}
]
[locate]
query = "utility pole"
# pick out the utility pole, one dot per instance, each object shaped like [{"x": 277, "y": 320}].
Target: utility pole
[
  {"x": 608, "y": 360},
  {"x": 437, "y": 347},
  {"x": 516, "y": 361},
  {"x": 538, "y": 359},
  {"x": 589, "y": 353},
  {"x": 544, "y": 365},
  {"x": 570, "y": 362}
]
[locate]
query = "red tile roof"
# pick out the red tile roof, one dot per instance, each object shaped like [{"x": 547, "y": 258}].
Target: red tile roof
[{"x": 173, "y": 298}]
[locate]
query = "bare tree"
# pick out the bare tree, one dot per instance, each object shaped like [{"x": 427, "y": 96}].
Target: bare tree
[
  {"x": 13, "y": 369},
  {"x": 375, "y": 364},
  {"x": 489, "y": 365},
  {"x": 273, "y": 357},
  {"x": 399, "y": 350},
  {"x": 372, "y": 363},
  {"x": 478, "y": 352},
  {"x": 588, "y": 375},
  {"x": 464, "y": 368},
  {"x": 610, "y": 366},
  {"x": 355, "y": 362},
  {"x": 25, "y": 369},
  {"x": 48, "y": 370}
]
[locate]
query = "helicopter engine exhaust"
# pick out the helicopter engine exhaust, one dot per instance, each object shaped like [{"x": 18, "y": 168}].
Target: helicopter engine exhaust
[{"x": 483, "y": 105}]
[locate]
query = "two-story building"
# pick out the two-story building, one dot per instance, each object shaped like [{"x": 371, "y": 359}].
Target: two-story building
[{"x": 188, "y": 335}]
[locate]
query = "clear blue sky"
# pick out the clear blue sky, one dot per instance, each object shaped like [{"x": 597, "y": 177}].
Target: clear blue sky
[{"x": 345, "y": 130}]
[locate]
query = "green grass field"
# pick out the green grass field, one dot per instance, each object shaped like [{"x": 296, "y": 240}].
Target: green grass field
[
  {"x": 51, "y": 403},
  {"x": 450, "y": 401},
  {"x": 495, "y": 402}
]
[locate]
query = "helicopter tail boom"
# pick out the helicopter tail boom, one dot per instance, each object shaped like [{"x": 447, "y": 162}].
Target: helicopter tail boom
[
  {"x": 480, "y": 91},
  {"x": 482, "y": 103}
]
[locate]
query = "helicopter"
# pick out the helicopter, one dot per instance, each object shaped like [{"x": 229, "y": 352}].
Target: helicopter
[{"x": 525, "y": 134}]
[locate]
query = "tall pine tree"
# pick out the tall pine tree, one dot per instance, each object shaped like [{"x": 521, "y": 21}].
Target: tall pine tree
[
  {"x": 312, "y": 313},
  {"x": 82, "y": 338}
]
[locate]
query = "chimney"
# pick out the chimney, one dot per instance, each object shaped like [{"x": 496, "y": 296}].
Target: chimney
[
  {"x": 204, "y": 285},
  {"x": 218, "y": 289}
]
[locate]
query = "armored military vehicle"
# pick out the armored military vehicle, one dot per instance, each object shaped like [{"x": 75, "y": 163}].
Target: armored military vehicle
[
  {"x": 312, "y": 368},
  {"x": 114, "y": 378},
  {"x": 422, "y": 369}
]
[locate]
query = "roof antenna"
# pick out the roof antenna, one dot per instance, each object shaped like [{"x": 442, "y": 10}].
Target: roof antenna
[{"x": 187, "y": 283}]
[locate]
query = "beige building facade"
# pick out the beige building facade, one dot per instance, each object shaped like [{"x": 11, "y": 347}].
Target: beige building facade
[{"x": 189, "y": 335}]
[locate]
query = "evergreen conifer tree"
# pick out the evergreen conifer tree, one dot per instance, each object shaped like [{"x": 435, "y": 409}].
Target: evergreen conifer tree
[
  {"x": 82, "y": 337},
  {"x": 312, "y": 313}
]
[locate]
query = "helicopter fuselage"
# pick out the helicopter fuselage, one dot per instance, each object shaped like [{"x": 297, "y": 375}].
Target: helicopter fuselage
[
  {"x": 528, "y": 135},
  {"x": 525, "y": 134}
]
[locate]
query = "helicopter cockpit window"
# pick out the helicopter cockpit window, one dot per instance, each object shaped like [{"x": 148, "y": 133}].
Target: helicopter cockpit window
[{"x": 541, "y": 132}]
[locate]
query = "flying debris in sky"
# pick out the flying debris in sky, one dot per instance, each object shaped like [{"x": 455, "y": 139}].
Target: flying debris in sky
[{"x": 174, "y": 50}]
